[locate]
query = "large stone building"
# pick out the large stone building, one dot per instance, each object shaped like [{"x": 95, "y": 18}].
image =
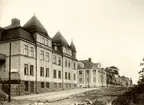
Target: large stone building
[
  {"x": 90, "y": 74},
  {"x": 38, "y": 63}
]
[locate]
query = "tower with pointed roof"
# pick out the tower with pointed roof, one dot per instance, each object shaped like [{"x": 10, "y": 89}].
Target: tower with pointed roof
[
  {"x": 34, "y": 25},
  {"x": 72, "y": 46}
]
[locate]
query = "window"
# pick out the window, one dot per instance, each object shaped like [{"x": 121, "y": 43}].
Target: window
[
  {"x": 80, "y": 72},
  {"x": 31, "y": 51},
  {"x": 75, "y": 85},
  {"x": 46, "y": 42},
  {"x": 55, "y": 74},
  {"x": 42, "y": 39},
  {"x": 26, "y": 86},
  {"x": 65, "y": 63},
  {"x": 69, "y": 64},
  {"x": 41, "y": 71},
  {"x": 47, "y": 72},
  {"x": 26, "y": 69},
  {"x": 42, "y": 84},
  {"x": 94, "y": 79},
  {"x": 26, "y": 50},
  {"x": 47, "y": 85},
  {"x": 54, "y": 59},
  {"x": 55, "y": 48},
  {"x": 74, "y": 76},
  {"x": 55, "y": 85},
  {"x": 80, "y": 79},
  {"x": 59, "y": 74},
  {"x": 69, "y": 85},
  {"x": 65, "y": 75},
  {"x": 31, "y": 70},
  {"x": 47, "y": 56},
  {"x": 69, "y": 77},
  {"x": 60, "y": 85},
  {"x": 42, "y": 55},
  {"x": 59, "y": 61},
  {"x": 87, "y": 71},
  {"x": 74, "y": 65}
]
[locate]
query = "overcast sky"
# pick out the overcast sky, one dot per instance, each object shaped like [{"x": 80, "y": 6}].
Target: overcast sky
[{"x": 108, "y": 31}]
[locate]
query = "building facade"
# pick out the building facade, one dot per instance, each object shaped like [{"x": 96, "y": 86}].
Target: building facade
[
  {"x": 39, "y": 63},
  {"x": 90, "y": 74}
]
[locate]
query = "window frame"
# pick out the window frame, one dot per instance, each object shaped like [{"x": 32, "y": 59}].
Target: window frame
[
  {"x": 54, "y": 73},
  {"x": 54, "y": 59},
  {"x": 59, "y": 74},
  {"x": 47, "y": 72},
  {"x": 26, "y": 50},
  {"x": 31, "y": 70},
  {"x": 25, "y": 69},
  {"x": 47, "y": 56},
  {"x": 42, "y": 71},
  {"x": 42, "y": 85},
  {"x": 31, "y": 51},
  {"x": 41, "y": 55},
  {"x": 66, "y": 75}
]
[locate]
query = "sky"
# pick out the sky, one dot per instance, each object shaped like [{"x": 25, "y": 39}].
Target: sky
[{"x": 108, "y": 31}]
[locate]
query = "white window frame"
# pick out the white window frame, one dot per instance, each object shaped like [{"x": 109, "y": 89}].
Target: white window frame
[
  {"x": 31, "y": 51},
  {"x": 41, "y": 55},
  {"x": 26, "y": 50},
  {"x": 47, "y": 56}
]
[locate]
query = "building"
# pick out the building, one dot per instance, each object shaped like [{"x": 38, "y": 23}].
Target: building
[
  {"x": 122, "y": 81},
  {"x": 90, "y": 74},
  {"x": 39, "y": 63}
]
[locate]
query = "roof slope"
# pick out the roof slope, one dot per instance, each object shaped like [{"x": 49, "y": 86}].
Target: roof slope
[
  {"x": 16, "y": 33},
  {"x": 34, "y": 25},
  {"x": 72, "y": 46},
  {"x": 59, "y": 39},
  {"x": 87, "y": 64}
]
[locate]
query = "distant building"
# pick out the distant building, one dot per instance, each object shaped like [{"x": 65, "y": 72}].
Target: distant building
[
  {"x": 90, "y": 74},
  {"x": 123, "y": 81},
  {"x": 39, "y": 63}
]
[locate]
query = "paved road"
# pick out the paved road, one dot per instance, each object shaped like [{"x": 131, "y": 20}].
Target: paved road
[{"x": 53, "y": 96}]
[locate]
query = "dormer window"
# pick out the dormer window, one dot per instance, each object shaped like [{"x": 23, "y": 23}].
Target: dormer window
[
  {"x": 54, "y": 59},
  {"x": 42, "y": 40},
  {"x": 55, "y": 48},
  {"x": 46, "y": 42}
]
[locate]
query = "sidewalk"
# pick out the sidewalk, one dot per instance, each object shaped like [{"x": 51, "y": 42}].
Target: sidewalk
[{"x": 53, "y": 96}]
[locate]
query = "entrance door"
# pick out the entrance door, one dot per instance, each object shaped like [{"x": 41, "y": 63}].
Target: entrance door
[{"x": 32, "y": 87}]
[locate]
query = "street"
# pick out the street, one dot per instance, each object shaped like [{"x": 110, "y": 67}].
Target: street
[{"x": 69, "y": 97}]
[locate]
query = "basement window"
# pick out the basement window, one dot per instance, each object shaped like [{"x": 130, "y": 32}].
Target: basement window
[{"x": 26, "y": 85}]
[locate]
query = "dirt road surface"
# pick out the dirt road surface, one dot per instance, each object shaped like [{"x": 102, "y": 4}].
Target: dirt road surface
[{"x": 69, "y": 97}]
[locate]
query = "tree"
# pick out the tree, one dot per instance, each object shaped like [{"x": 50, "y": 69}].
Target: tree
[
  {"x": 112, "y": 71},
  {"x": 141, "y": 77}
]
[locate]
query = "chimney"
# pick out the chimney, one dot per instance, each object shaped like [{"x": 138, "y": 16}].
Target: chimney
[
  {"x": 15, "y": 22},
  {"x": 89, "y": 59}
]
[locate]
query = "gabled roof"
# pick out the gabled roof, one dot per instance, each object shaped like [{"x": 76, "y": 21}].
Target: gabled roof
[
  {"x": 87, "y": 64},
  {"x": 59, "y": 39},
  {"x": 34, "y": 25},
  {"x": 72, "y": 46}
]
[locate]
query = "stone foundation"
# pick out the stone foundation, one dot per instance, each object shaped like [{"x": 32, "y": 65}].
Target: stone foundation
[{"x": 29, "y": 87}]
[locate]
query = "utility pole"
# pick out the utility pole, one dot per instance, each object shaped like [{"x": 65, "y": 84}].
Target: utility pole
[{"x": 9, "y": 98}]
